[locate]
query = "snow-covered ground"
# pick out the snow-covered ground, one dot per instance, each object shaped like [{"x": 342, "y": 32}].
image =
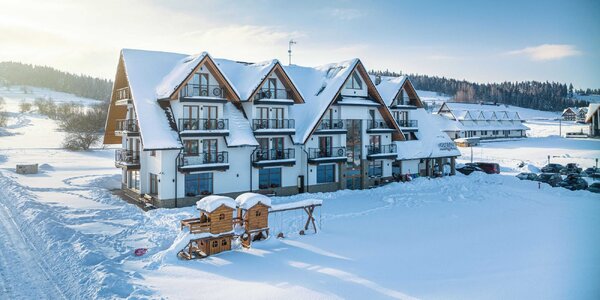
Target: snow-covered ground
[{"x": 64, "y": 235}]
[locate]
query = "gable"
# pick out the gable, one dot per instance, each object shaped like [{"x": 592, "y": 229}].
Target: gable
[
  {"x": 278, "y": 72},
  {"x": 115, "y": 112},
  {"x": 408, "y": 87},
  {"x": 204, "y": 65}
]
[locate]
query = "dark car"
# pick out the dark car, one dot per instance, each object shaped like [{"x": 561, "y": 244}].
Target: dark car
[
  {"x": 574, "y": 182},
  {"x": 570, "y": 168},
  {"x": 552, "y": 168},
  {"x": 552, "y": 179},
  {"x": 468, "y": 169},
  {"x": 527, "y": 176},
  {"x": 488, "y": 168},
  {"x": 591, "y": 172},
  {"x": 594, "y": 187}
]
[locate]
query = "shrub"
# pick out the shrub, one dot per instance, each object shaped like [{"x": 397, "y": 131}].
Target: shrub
[
  {"x": 80, "y": 140},
  {"x": 24, "y": 106}
]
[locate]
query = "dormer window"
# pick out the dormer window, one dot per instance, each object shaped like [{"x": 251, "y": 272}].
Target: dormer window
[{"x": 354, "y": 82}]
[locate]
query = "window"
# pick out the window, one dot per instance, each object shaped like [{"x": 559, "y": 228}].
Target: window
[
  {"x": 222, "y": 217},
  {"x": 269, "y": 178},
  {"x": 190, "y": 117},
  {"x": 223, "y": 242},
  {"x": 198, "y": 184},
  {"x": 272, "y": 87},
  {"x": 484, "y": 132},
  {"x": 277, "y": 148},
  {"x": 400, "y": 98},
  {"x": 325, "y": 173},
  {"x": 354, "y": 82},
  {"x": 257, "y": 213},
  {"x": 153, "y": 184},
  {"x": 190, "y": 147},
  {"x": 278, "y": 116},
  {"x": 375, "y": 168},
  {"x": 211, "y": 114},
  {"x": 153, "y": 153},
  {"x": 215, "y": 244},
  {"x": 135, "y": 180}
]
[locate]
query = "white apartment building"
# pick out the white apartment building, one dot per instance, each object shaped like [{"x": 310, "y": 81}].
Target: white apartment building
[
  {"x": 191, "y": 126},
  {"x": 486, "y": 121}
]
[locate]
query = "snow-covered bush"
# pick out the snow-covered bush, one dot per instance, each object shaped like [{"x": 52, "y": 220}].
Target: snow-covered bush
[
  {"x": 83, "y": 127},
  {"x": 3, "y": 114}
]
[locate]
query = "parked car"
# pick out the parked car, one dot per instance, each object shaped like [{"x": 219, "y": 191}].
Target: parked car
[
  {"x": 552, "y": 179},
  {"x": 468, "y": 169},
  {"x": 552, "y": 168},
  {"x": 488, "y": 168},
  {"x": 594, "y": 187},
  {"x": 574, "y": 182},
  {"x": 591, "y": 172},
  {"x": 527, "y": 176},
  {"x": 570, "y": 168}
]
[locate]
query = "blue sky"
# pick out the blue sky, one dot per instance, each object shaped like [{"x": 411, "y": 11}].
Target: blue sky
[{"x": 483, "y": 41}]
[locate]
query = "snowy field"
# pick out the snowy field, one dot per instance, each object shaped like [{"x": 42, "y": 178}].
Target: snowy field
[{"x": 64, "y": 235}]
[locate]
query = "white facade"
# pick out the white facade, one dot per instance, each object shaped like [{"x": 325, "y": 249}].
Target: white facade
[{"x": 258, "y": 142}]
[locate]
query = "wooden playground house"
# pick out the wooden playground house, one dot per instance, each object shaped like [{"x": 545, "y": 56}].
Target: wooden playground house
[
  {"x": 216, "y": 227},
  {"x": 212, "y": 230}
]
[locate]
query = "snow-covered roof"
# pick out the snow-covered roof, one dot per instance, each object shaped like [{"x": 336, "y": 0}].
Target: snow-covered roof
[
  {"x": 145, "y": 70},
  {"x": 568, "y": 110},
  {"x": 431, "y": 140},
  {"x": 240, "y": 131},
  {"x": 319, "y": 86},
  {"x": 389, "y": 87},
  {"x": 210, "y": 203},
  {"x": 245, "y": 77},
  {"x": 591, "y": 111},
  {"x": 179, "y": 72},
  {"x": 248, "y": 200}
]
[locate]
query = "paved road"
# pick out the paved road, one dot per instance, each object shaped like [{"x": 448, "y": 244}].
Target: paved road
[{"x": 21, "y": 273}]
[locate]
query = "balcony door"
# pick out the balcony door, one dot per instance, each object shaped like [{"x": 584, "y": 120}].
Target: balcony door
[
  {"x": 209, "y": 147},
  {"x": 278, "y": 115},
  {"x": 272, "y": 88},
  {"x": 277, "y": 148},
  {"x": 190, "y": 117},
  {"x": 190, "y": 147},
  {"x": 200, "y": 84},
  {"x": 375, "y": 142},
  {"x": 263, "y": 145},
  {"x": 325, "y": 146},
  {"x": 211, "y": 114}
]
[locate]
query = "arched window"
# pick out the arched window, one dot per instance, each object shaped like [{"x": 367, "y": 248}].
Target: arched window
[{"x": 215, "y": 244}]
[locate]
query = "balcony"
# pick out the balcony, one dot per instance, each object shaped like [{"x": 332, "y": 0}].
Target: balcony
[
  {"x": 127, "y": 127},
  {"x": 382, "y": 151},
  {"x": 123, "y": 96},
  {"x": 326, "y": 155},
  {"x": 127, "y": 159},
  {"x": 198, "y": 92},
  {"x": 207, "y": 161},
  {"x": 274, "y": 96},
  {"x": 331, "y": 126},
  {"x": 378, "y": 126},
  {"x": 408, "y": 125},
  {"x": 274, "y": 157},
  {"x": 203, "y": 127},
  {"x": 273, "y": 126}
]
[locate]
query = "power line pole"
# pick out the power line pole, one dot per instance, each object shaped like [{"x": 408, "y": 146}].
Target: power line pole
[{"x": 290, "y": 51}]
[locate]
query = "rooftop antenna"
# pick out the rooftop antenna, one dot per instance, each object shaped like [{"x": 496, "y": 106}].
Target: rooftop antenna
[{"x": 290, "y": 51}]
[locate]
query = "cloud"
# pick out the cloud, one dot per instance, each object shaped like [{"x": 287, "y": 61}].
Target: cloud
[
  {"x": 547, "y": 52},
  {"x": 346, "y": 13}
]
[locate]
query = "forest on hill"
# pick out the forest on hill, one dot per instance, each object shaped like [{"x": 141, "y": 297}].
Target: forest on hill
[
  {"x": 15, "y": 73},
  {"x": 548, "y": 96}
]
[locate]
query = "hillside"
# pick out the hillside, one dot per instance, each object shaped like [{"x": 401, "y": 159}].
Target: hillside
[{"x": 15, "y": 73}]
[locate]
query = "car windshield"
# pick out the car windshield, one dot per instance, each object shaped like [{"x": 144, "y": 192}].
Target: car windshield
[{"x": 545, "y": 176}]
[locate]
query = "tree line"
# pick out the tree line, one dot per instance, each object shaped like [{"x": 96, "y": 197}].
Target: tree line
[
  {"x": 548, "y": 96},
  {"x": 15, "y": 73}
]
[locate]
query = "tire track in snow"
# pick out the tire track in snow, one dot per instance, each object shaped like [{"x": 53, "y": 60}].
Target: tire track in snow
[{"x": 21, "y": 273}]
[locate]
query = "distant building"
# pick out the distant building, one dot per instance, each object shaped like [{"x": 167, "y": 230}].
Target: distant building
[
  {"x": 486, "y": 121},
  {"x": 593, "y": 118},
  {"x": 581, "y": 113},
  {"x": 569, "y": 114}
]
